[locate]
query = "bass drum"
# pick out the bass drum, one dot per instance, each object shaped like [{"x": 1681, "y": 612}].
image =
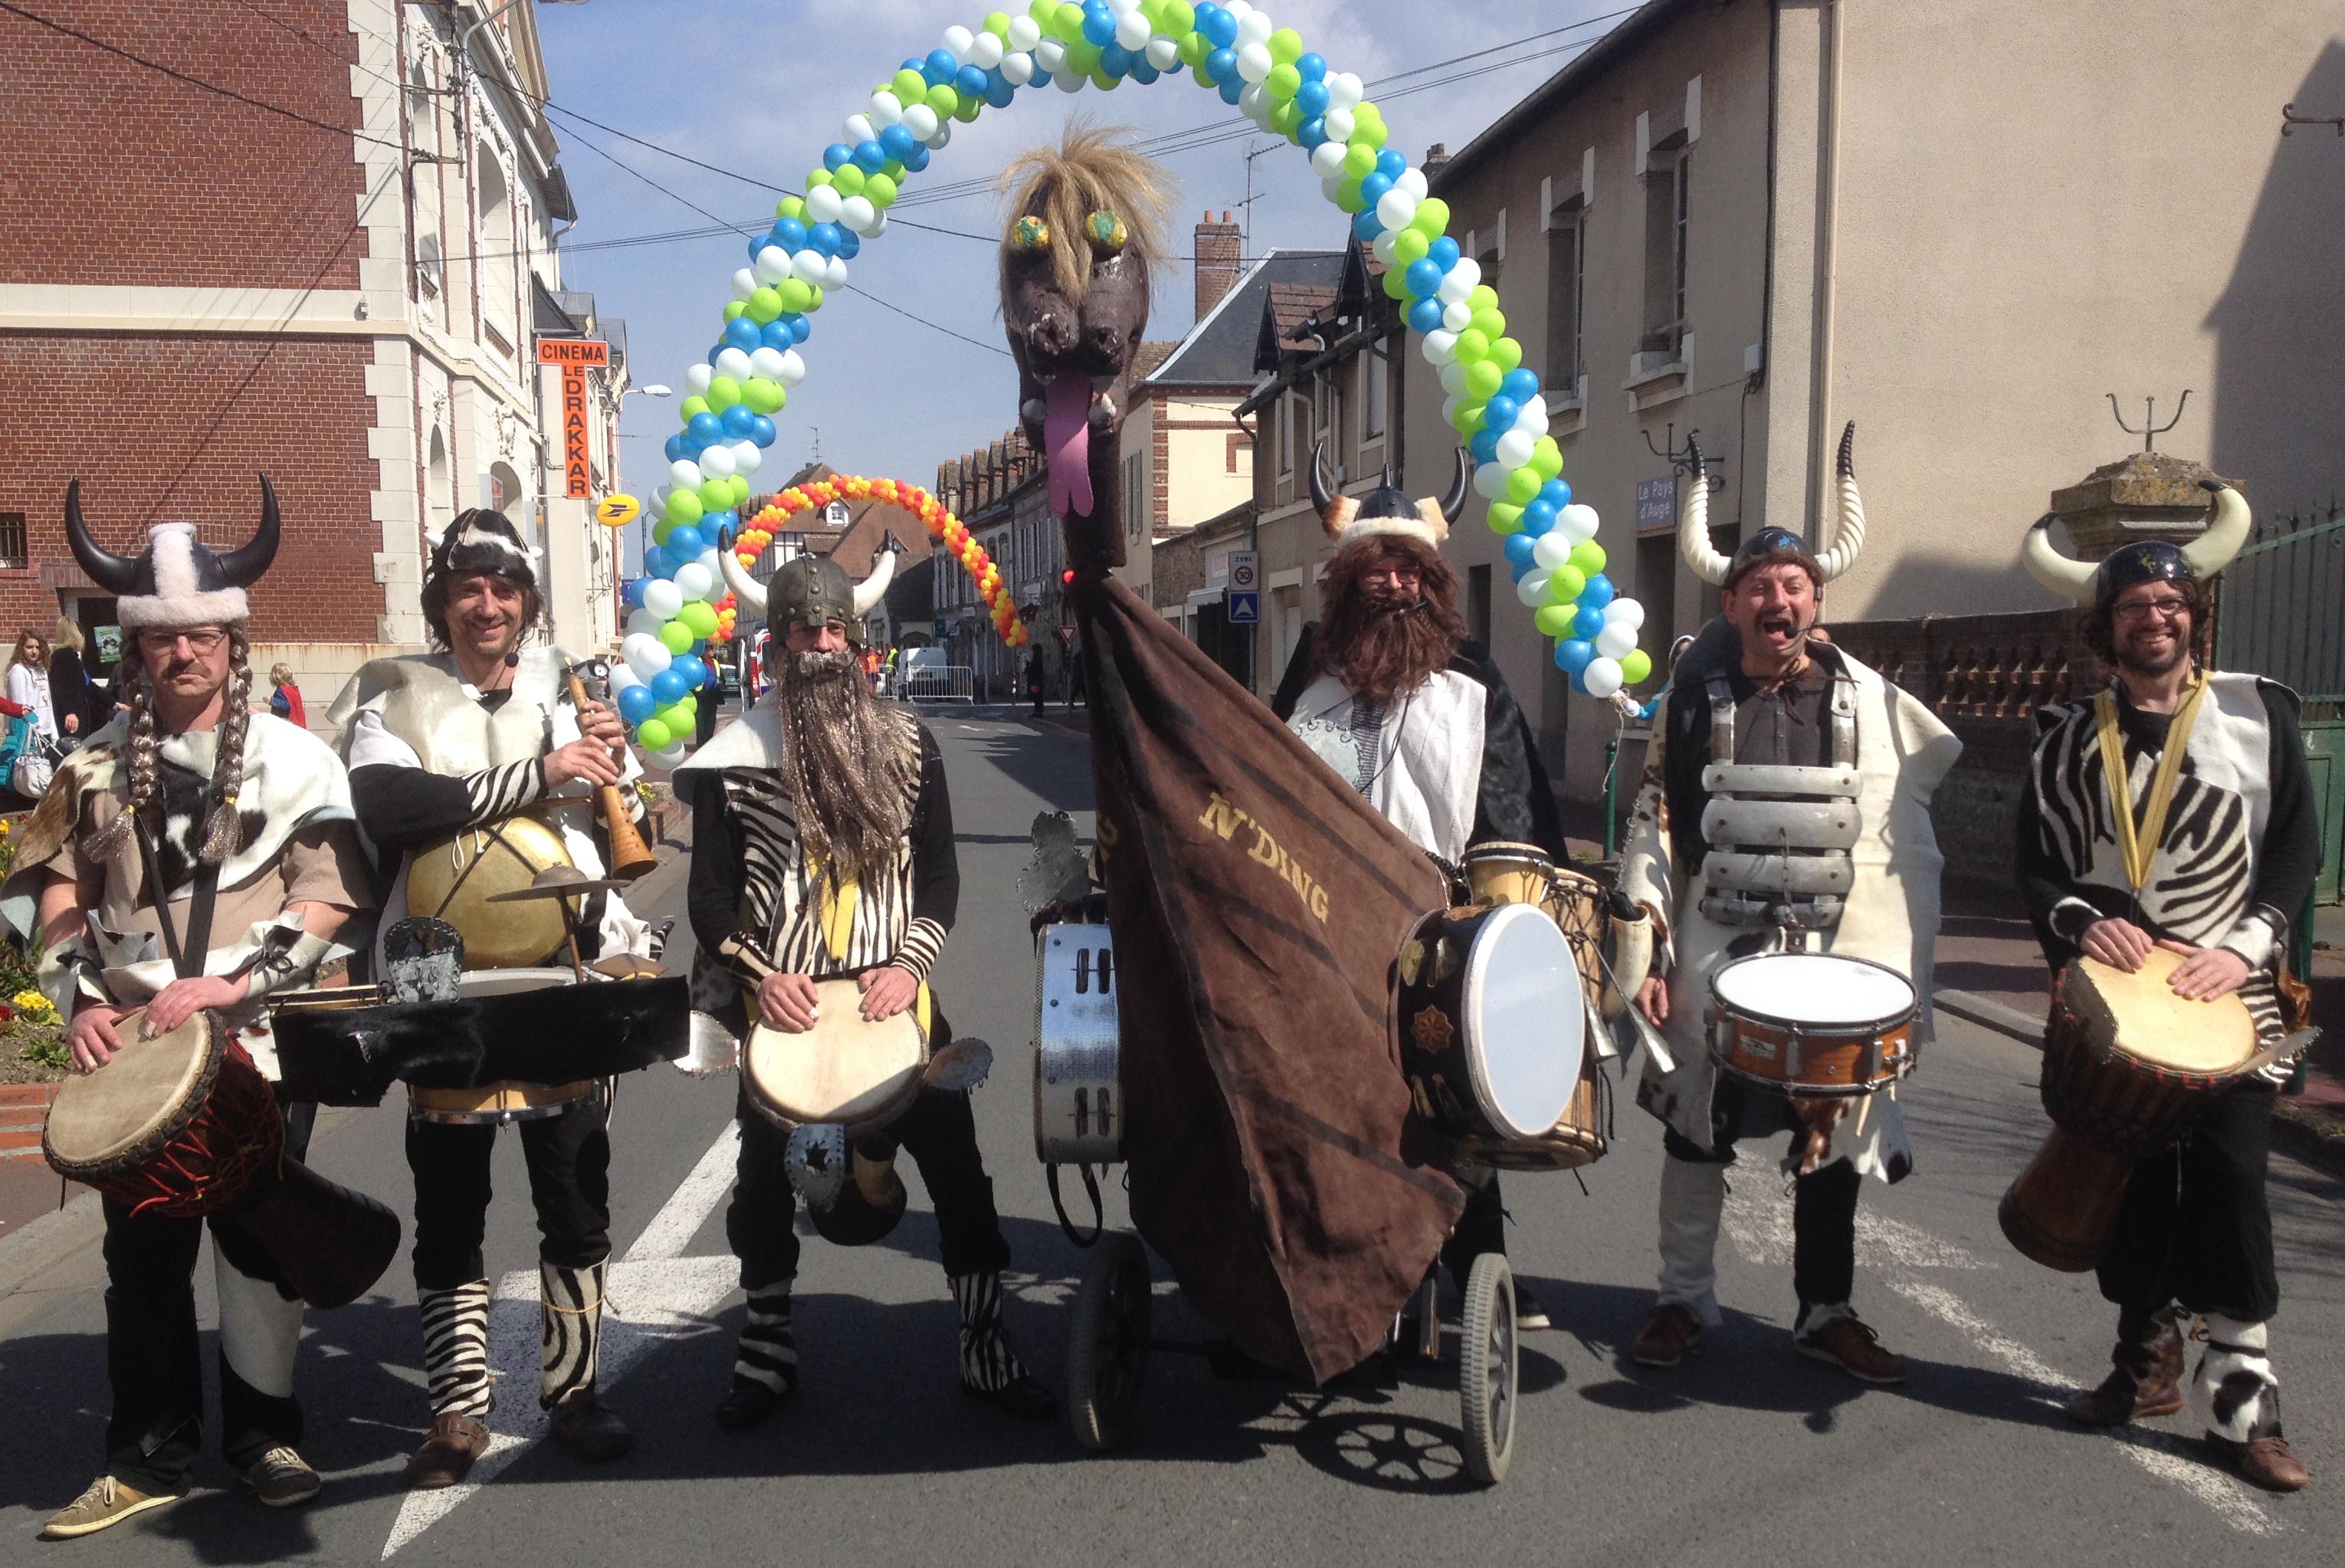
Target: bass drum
[
  {"x": 453, "y": 878},
  {"x": 1493, "y": 1022}
]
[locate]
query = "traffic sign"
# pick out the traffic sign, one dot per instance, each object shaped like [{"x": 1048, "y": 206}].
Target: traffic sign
[
  {"x": 1245, "y": 570},
  {"x": 1245, "y": 605}
]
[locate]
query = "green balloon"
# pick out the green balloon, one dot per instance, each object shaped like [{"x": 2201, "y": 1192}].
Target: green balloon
[
  {"x": 791, "y": 207},
  {"x": 894, "y": 169},
  {"x": 1082, "y": 54},
  {"x": 814, "y": 297},
  {"x": 724, "y": 391},
  {"x": 1588, "y": 556},
  {"x": 1287, "y": 120},
  {"x": 1287, "y": 45},
  {"x": 794, "y": 294},
  {"x": 1179, "y": 18},
  {"x": 1197, "y": 72},
  {"x": 1546, "y": 457},
  {"x": 816, "y": 177},
  {"x": 762, "y": 396},
  {"x": 997, "y": 24},
  {"x": 733, "y": 307},
  {"x": 848, "y": 179},
  {"x": 1523, "y": 485},
  {"x": 764, "y": 306},
  {"x": 1284, "y": 81},
  {"x": 880, "y": 191},
  {"x": 1472, "y": 349},
  {"x": 909, "y": 86},
  {"x": 662, "y": 529},
  {"x": 965, "y": 110},
  {"x": 684, "y": 507},
  {"x": 1506, "y": 517},
  {"x": 700, "y": 615},
  {"x": 1195, "y": 48},
  {"x": 943, "y": 99},
  {"x": 1553, "y": 620},
  {"x": 1483, "y": 379},
  {"x": 1067, "y": 25},
  {"x": 1410, "y": 245},
  {"x": 652, "y": 735},
  {"x": 1489, "y": 323},
  {"x": 1507, "y": 355},
  {"x": 678, "y": 715},
  {"x": 1396, "y": 284},
  {"x": 1359, "y": 162},
  {"x": 1482, "y": 298},
  {"x": 737, "y": 491},
  {"x": 1635, "y": 665},
  {"x": 1367, "y": 132},
  {"x": 1432, "y": 214},
  {"x": 692, "y": 405},
  {"x": 1105, "y": 83},
  {"x": 716, "y": 494},
  {"x": 1566, "y": 584},
  {"x": 1467, "y": 419},
  {"x": 1348, "y": 197},
  {"x": 676, "y": 637}
]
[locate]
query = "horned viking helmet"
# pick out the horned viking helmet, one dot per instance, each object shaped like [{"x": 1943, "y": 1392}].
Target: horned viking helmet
[
  {"x": 175, "y": 582},
  {"x": 1387, "y": 509},
  {"x": 812, "y": 590},
  {"x": 2147, "y": 560},
  {"x": 1770, "y": 544}
]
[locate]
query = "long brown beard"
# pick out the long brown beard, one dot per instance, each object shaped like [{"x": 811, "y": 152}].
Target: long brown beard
[
  {"x": 852, "y": 763},
  {"x": 1378, "y": 651}
]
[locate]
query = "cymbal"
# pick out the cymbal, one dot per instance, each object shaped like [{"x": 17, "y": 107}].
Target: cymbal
[{"x": 557, "y": 882}]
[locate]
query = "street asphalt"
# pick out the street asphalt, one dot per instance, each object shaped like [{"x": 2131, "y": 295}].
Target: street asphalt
[{"x": 1746, "y": 1453}]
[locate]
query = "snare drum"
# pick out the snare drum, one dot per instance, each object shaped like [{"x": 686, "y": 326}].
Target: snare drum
[
  {"x": 1504, "y": 874},
  {"x": 845, "y": 1070},
  {"x": 2128, "y": 1068},
  {"x": 494, "y": 1105},
  {"x": 1493, "y": 1022},
  {"x": 1817, "y": 1024}
]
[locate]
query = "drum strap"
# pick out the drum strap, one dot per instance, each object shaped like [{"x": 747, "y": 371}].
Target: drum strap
[
  {"x": 186, "y": 959},
  {"x": 2138, "y": 844}
]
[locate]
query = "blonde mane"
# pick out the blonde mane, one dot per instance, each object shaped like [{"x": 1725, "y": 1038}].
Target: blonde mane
[{"x": 1094, "y": 171}]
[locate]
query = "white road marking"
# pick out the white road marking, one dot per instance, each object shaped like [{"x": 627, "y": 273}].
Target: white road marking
[
  {"x": 1760, "y": 1226},
  {"x": 655, "y": 1296}
]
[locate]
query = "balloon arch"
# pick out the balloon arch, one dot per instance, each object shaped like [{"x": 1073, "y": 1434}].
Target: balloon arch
[{"x": 1493, "y": 400}]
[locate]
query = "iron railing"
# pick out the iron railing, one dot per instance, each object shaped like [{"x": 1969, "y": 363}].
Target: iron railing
[{"x": 2282, "y": 612}]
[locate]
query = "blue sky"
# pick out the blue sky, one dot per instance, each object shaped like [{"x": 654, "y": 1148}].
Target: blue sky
[{"x": 759, "y": 87}]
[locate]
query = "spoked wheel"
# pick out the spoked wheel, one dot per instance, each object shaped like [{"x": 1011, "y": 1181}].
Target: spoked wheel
[
  {"x": 1485, "y": 1369},
  {"x": 1107, "y": 1344}
]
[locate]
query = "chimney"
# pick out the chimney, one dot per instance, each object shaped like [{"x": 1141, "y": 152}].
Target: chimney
[
  {"x": 1219, "y": 258},
  {"x": 1436, "y": 157}
]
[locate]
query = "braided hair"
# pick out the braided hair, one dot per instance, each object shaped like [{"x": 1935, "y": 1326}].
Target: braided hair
[{"x": 223, "y": 830}]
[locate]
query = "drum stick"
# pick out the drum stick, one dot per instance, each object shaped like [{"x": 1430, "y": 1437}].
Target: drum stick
[{"x": 630, "y": 856}]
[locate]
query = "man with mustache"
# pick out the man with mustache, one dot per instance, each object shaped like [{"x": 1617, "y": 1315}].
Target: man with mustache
[
  {"x": 1388, "y": 691},
  {"x": 2226, "y": 867},
  {"x": 1768, "y": 726},
  {"x": 823, "y": 848}
]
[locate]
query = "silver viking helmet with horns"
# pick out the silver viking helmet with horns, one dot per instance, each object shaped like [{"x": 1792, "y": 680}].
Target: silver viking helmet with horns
[
  {"x": 1770, "y": 544},
  {"x": 809, "y": 589},
  {"x": 1387, "y": 509},
  {"x": 176, "y": 581},
  {"x": 2144, "y": 560}
]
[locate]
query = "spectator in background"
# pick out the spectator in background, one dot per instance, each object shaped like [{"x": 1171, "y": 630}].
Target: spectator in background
[
  {"x": 284, "y": 697},
  {"x": 69, "y": 687},
  {"x": 28, "y": 684},
  {"x": 1034, "y": 680}
]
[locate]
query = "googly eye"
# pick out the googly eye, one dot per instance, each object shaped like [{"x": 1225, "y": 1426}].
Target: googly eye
[
  {"x": 1030, "y": 233},
  {"x": 1105, "y": 231}
]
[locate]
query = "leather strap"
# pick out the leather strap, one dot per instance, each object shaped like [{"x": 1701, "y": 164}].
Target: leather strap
[
  {"x": 188, "y": 959},
  {"x": 2137, "y": 843}
]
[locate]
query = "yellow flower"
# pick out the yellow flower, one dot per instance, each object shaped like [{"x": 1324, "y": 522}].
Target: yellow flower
[{"x": 34, "y": 1003}]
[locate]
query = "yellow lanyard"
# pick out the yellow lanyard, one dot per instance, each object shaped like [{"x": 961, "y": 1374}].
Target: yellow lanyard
[
  {"x": 2139, "y": 847},
  {"x": 837, "y": 908}
]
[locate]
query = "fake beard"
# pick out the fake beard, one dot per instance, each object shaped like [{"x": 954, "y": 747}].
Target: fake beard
[
  {"x": 1382, "y": 650},
  {"x": 852, "y": 764}
]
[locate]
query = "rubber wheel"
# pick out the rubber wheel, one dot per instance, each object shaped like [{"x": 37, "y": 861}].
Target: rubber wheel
[
  {"x": 1486, "y": 1370},
  {"x": 1107, "y": 1343}
]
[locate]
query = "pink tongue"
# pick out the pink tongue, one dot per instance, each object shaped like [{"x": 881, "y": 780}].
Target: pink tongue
[{"x": 1067, "y": 443}]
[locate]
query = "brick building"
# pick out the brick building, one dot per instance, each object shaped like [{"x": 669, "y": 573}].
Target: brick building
[{"x": 314, "y": 239}]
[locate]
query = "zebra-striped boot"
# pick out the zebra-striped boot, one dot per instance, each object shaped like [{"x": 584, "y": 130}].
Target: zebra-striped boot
[
  {"x": 765, "y": 1367},
  {"x": 456, "y": 1368},
  {"x": 990, "y": 1367},
  {"x": 579, "y": 1421}
]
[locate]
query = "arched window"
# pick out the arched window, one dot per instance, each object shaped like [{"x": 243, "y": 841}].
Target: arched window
[
  {"x": 505, "y": 488},
  {"x": 439, "y": 496},
  {"x": 495, "y": 244}
]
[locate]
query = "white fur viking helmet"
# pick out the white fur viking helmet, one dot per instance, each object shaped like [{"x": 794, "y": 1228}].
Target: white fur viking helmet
[
  {"x": 812, "y": 589},
  {"x": 176, "y": 581},
  {"x": 2147, "y": 560},
  {"x": 1387, "y": 509},
  {"x": 1770, "y": 544}
]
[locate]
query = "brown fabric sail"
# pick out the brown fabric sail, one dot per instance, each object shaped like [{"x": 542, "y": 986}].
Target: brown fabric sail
[{"x": 1259, "y": 906}]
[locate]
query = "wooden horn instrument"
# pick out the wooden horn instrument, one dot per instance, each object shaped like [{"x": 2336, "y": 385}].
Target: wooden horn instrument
[{"x": 630, "y": 856}]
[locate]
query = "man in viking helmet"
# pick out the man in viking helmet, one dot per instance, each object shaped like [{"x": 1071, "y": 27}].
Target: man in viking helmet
[
  {"x": 445, "y": 748},
  {"x": 1388, "y": 689},
  {"x": 2227, "y": 848},
  {"x": 822, "y": 849},
  {"x": 192, "y": 856},
  {"x": 1769, "y": 739}
]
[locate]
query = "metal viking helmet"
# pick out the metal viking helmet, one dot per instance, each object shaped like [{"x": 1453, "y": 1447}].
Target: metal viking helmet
[
  {"x": 809, "y": 589},
  {"x": 2144, "y": 560},
  {"x": 176, "y": 581},
  {"x": 1387, "y": 509},
  {"x": 1770, "y": 544}
]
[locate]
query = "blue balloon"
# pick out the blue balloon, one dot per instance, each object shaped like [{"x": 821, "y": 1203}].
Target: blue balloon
[
  {"x": 735, "y": 421},
  {"x": 823, "y": 238},
  {"x": 707, "y": 427},
  {"x": 1115, "y": 59},
  {"x": 897, "y": 143},
  {"x": 1311, "y": 99},
  {"x": 668, "y": 686},
  {"x": 1422, "y": 278},
  {"x": 1425, "y": 316},
  {"x": 790, "y": 234},
  {"x": 920, "y": 158},
  {"x": 1500, "y": 414},
  {"x": 635, "y": 592},
  {"x": 1599, "y": 593},
  {"x": 1442, "y": 253},
  {"x": 1522, "y": 568},
  {"x": 1040, "y": 78},
  {"x": 1222, "y": 64},
  {"x": 1538, "y": 516},
  {"x": 850, "y": 244},
  {"x": 1521, "y": 385},
  {"x": 690, "y": 669},
  {"x": 1099, "y": 27},
  {"x": 1572, "y": 656},
  {"x": 1391, "y": 163},
  {"x": 914, "y": 63},
  {"x": 1311, "y": 133},
  {"x": 969, "y": 81},
  {"x": 758, "y": 243},
  {"x": 800, "y": 327},
  {"x": 762, "y": 430},
  {"x": 837, "y": 156},
  {"x": 774, "y": 335},
  {"x": 741, "y": 333},
  {"x": 1367, "y": 226},
  {"x": 1484, "y": 446},
  {"x": 1556, "y": 494},
  {"x": 716, "y": 528},
  {"x": 1312, "y": 68},
  {"x": 1586, "y": 624},
  {"x": 1373, "y": 189},
  {"x": 658, "y": 564},
  {"x": 1517, "y": 547},
  {"x": 685, "y": 542},
  {"x": 871, "y": 157},
  {"x": 1233, "y": 90},
  {"x": 636, "y": 704},
  {"x": 1218, "y": 26},
  {"x": 939, "y": 67},
  {"x": 1142, "y": 71},
  {"x": 675, "y": 447}
]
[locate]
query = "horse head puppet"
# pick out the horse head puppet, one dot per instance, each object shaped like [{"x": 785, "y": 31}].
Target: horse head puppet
[{"x": 1086, "y": 223}]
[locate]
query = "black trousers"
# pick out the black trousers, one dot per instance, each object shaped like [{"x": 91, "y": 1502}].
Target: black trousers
[
  {"x": 938, "y": 1132},
  {"x": 153, "y": 1358},
  {"x": 2196, "y": 1226},
  {"x": 1823, "y": 1205},
  {"x": 569, "y": 1162},
  {"x": 1481, "y": 1228}
]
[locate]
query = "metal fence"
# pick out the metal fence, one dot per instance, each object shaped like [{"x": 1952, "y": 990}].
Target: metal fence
[
  {"x": 938, "y": 683},
  {"x": 2283, "y": 607}
]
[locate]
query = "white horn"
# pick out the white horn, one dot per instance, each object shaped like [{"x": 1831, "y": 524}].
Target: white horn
[
  {"x": 1848, "y": 539},
  {"x": 868, "y": 591},
  {"x": 2212, "y": 551},
  {"x": 2070, "y": 579},
  {"x": 746, "y": 588},
  {"x": 1693, "y": 523}
]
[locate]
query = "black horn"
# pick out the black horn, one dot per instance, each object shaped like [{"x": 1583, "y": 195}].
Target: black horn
[
  {"x": 1323, "y": 484},
  {"x": 243, "y": 566},
  {"x": 1455, "y": 501},
  {"x": 115, "y": 574},
  {"x": 1848, "y": 452}
]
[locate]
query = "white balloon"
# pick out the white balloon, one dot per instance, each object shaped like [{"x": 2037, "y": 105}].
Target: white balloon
[
  {"x": 658, "y": 502},
  {"x": 1413, "y": 181},
  {"x": 663, "y": 600},
  {"x": 941, "y": 136},
  {"x": 1440, "y": 346},
  {"x": 1515, "y": 448},
  {"x": 1123, "y": 7},
  {"x": 1491, "y": 482},
  {"x": 1534, "y": 416},
  {"x": 1239, "y": 10},
  {"x": 1337, "y": 124},
  {"x": 1532, "y": 589},
  {"x": 1577, "y": 522},
  {"x": 957, "y": 42},
  {"x": 697, "y": 377},
  {"x": 1455, "y": 315},
  {"x": 1066, "y": 81},
  {"x": 921, "y": 121},
  {"x": 765, "y": 362},
  {"x": 878, "y": 225},
  {"x": 1255, "y": 62},
  {"x": 671, "y": 756},
  {"x": 732, "y": 361},
  {"x": 1625, "y": 612},
  {"x": 1255, "y": 105},
  {"x": 1381, "y": 247},
  {"x": 793, "y": 368},
  {"x": 1255, "y": 27},
  {"x": 1018, "y": 69},
  {"x": 1451, "y": 404},
  {"x": 1024, "y": 33},
  {"x": 986, "y": 52},
  {"x": 708, "y": 565},
  {"x": 1131, "y": 30},
  {"x": 887, "y": 109},
  {"x": 1332, "y": 188},
  {"x": 685, "y": 473},
  {"x": 1468, "y": 268},
  {"x": 1395, "y": 208},
  {"x": 747, "y": 457},
  {"x": 692, "y": 580},
  {"x": 1551, "y": 549},
  {"x": 716, "y": 462},
  {"x": 834, "y": 272},
  {"x": 1616, "y": 641},
  {"x": 1601, "y": 677},
  {"x": 1453, "y": 380},
  {"x": 823, "y": 202},
  {"x": 622, "y": 677},
  {"x": 1327, "y": 160},
  {"x": 1344, "y": 90},
  {"x": 858, "y": 212},
  {"x": 858, "y": 130},
  {"x": 1163, "y": 54},
  {"x": 1050, "y": 53},
  {"x": 642, "y": 623},
  {"x": 773, "y": 264},
  {"x": 745, "y": 283},
  {"x": 806, "y": 266}
]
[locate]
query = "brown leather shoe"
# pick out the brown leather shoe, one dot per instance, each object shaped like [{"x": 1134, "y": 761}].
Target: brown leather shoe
[
  {"x": 587, "y": 1428},
  {"x": 447, "y": 1455},
  {"x": 2145, "y": 1374},
  {"x": 2267, "y": 1461},
  {"x": 1668, "y": 1335},
  {"x": 1855, "y": 1349}
]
